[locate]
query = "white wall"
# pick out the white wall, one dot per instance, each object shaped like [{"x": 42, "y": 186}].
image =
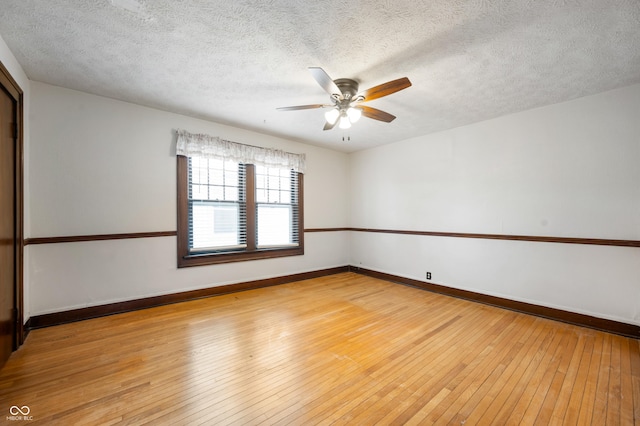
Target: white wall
[
  {"x": 566, "y": 170},
  {"x": 101, "y": 166},
  {"x": 97, "y": 165},
  {"x": 18, "y": 74}
]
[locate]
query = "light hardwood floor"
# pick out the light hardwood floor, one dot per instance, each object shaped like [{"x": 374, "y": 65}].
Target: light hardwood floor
[{"x": 342, "y": 349}]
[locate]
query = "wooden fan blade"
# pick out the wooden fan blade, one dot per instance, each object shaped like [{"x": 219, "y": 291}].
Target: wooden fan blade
[
  {"x": 385, "y": 89},
  {"x": 294, "y": 108},
  {"x": 325, "y": 81},
  {"x": 329, "y": 126},
  {"x": 376, "y": 114}
]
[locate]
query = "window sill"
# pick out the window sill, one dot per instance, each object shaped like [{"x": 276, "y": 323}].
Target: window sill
[{"x": 218, "y": 258}]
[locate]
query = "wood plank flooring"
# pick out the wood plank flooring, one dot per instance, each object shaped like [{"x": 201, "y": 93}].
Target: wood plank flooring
[{"x": 342, "y": 349}]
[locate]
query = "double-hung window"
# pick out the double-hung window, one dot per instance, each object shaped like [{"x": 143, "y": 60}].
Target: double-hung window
[
  {"x": 217, "y": 205},
  {"x": 277, "y": 207},
  {"x": 237, "y": 202}
]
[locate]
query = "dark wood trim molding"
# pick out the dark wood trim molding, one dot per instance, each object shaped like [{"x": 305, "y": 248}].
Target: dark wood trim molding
[
  {"x": 103, "y": 237},
  {"x": 12, "y": 87},
  {"x": 531, "y": 238},
  {"x": 610, "y": 326},
  {"x": 100, "y": 237},
  {"x": 327, "y": 229},
  {"x": 26, "y": 328},
  {"x": 58, "y": 318}
]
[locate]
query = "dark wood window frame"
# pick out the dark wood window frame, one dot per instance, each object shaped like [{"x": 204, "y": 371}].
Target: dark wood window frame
[{"x": 185, "y": 258}]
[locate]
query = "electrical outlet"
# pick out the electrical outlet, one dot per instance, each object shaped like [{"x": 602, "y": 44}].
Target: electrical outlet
[{"x": 428, "y": 275}]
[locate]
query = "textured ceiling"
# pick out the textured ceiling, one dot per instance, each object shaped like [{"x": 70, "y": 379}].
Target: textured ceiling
[{"x": 234, "y": 62}]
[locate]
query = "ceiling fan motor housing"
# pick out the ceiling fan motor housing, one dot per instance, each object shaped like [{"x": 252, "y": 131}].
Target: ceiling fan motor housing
[{"x": 347, "y": 86}]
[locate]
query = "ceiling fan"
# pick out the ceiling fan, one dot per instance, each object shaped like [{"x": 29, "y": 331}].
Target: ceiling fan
[{"x": 346, "y": 106}]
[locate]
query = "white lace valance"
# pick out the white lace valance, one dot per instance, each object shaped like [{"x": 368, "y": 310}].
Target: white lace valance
[{"x": 205, "y": 146}]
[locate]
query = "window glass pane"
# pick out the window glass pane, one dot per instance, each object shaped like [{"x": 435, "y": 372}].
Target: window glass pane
[
  {"x": 285, "y": 183},
  {"x": 261, "y": 196},
  {"x": 215, "y": 163},
  {"x": 198, "y": 192},
  {"x": 215, "y": 225},
  {"x": 230, "y": 177},
  {"x": 216, "y": 177},
  {"x": 195, "y": 162},
  {"x": 205, "y": 175},
  {"x": 273, "y": 185},
  {"x": 195, "y": 175},
  {"x": 216, "y": 193},
  {"x": 274, "y": 225},
  {"x": 231, "y": 193}
]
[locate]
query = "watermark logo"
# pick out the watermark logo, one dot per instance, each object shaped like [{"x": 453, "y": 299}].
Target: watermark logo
[
  {"x": 19, "y": 413},
  {"x": 15, "y": 410}
]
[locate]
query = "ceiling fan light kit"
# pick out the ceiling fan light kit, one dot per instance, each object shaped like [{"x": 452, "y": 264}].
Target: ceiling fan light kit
[
  {"x": 344, "y": 122},
  {"x": 347, "y": 118},
  {"x": 354, "y": 114},
  {"x": 346, "y": 102},
  {"x": 332, "y": 115}
]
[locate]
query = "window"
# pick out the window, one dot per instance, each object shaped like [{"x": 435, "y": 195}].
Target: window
[
  {"x": 217, "y": 207},
  {"x": 277, "y": 207},
  {"x": 231, "y": 211}
]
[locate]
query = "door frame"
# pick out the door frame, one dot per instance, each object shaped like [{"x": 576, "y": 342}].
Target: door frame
[{"x": 14, "y": 90}]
